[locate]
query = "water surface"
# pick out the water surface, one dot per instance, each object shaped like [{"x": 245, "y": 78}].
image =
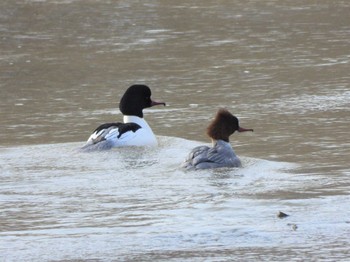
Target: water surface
[{"x": 282, "y": 67}]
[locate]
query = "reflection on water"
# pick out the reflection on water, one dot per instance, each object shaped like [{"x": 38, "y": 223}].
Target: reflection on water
[{"x": 281, "y": 67}]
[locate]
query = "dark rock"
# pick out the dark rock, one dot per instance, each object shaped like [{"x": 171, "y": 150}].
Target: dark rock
[{"x": 282, "y": 215}]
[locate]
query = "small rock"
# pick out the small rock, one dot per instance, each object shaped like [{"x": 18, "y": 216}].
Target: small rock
[
  {"x": 282, "y": 215},
  {"x": 294, "y": 226}
]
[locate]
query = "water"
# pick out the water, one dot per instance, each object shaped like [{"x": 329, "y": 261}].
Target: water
[
  {"x": 138, "y": 205},
  {"x": 281, "y": 67}
]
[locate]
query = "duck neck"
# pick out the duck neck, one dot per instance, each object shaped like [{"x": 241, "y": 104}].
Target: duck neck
[
  {"x": 215, "y": 141},
  {"x": 138, "y": 120}
]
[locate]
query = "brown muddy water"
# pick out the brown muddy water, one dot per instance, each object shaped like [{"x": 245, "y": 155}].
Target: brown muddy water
[{"x": 282, "y": 67}]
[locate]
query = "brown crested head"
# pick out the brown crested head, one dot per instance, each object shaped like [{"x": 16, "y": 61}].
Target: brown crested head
[{"x": 224, "y": 125}]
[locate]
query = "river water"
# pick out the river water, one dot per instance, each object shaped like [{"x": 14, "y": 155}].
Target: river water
[{"x": 282, "y": 67}]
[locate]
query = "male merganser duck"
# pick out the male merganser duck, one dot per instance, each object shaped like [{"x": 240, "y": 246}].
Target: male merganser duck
[
  {"x": 221, "y": 154},
  {"x": 134, "y": 131}
]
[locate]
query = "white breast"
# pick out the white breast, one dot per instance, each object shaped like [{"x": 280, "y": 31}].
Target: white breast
[{"x": 142, "y": 137}]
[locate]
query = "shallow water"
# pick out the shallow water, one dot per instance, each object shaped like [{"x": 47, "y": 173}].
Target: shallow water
[
  {"x": 281, "y": 67},
  {"x": 132, "y": 204}
]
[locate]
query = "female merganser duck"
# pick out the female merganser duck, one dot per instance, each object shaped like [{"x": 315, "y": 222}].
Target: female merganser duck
[
  {"x": 221, "y": 154},
  {"x": 134, "y": 131}
]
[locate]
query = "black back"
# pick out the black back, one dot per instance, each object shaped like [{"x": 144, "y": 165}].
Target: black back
[{"x": 122, "y": 127}]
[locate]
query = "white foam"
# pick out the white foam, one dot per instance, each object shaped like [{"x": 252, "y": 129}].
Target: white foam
[{"x": 62, "y": 204}]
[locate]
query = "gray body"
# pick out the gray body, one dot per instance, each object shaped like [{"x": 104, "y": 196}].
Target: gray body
[{"x": 220, "y": 155}]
